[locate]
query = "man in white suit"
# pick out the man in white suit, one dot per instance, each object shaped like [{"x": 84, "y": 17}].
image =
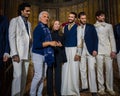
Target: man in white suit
[
  {"x": 19, "y": 38},
  {"x": 106, "y": 53},
  {"x": 88, "y": 40}
]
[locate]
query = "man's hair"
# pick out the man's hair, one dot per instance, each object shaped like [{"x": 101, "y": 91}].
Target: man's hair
[
  {"x": 98, "y": 13},
  {"x": 41, "y": 13},
  {"x": 74, "y": 14},
  {"x": 81, "y": 14},
  {"x": 22, "y": 7}
]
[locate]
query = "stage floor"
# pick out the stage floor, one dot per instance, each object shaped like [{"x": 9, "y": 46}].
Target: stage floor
[{"x": 116, "y": 82}]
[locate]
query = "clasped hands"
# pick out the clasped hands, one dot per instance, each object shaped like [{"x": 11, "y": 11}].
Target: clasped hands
[{"x": 56, "y": 43}]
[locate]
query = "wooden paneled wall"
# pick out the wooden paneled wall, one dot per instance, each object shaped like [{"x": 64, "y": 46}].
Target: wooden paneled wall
[
  {"x": 34, "y": 16},
  {"x": 111, "y": 7}
]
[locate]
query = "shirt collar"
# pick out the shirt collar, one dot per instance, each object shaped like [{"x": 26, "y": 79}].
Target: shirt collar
[
  {"x": 97, "y": 24},
  {"x": 71, "y": 23},
  {"x": 24, "y": 19}
]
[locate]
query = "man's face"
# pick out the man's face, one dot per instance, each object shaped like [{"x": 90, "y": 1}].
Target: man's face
[
  {"x": 101, "y": 18},
  {"x": 71, "y": 18},
  {"x": 83, "y": 19},
  {"x": 44, "y": 18},
  {"x": 26, "y": 12}
]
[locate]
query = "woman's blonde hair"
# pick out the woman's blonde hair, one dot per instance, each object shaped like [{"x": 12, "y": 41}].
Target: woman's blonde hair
[{"x": 52, "y": 24}]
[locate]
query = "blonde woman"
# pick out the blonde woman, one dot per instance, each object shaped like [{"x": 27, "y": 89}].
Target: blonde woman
[{"x": 60, "y": 58}]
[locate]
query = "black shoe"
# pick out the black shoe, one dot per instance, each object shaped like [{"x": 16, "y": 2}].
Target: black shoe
[
  {"x": 84, "y": 90},
  {"x": 94, "y": 94}
]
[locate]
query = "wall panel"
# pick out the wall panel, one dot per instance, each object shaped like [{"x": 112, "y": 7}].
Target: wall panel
[
  {"x": 111, "y": 7},
  {"x": 34, "y": 16},
  {"x": 118, "y": 11}
]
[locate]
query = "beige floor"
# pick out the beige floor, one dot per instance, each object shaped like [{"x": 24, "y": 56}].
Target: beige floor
[{"x": 116, "y": 82}]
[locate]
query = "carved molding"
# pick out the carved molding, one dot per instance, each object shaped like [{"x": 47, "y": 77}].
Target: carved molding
[{"x": 56, "y": 4}]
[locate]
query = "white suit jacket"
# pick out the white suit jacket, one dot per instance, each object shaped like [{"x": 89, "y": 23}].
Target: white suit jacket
[
  {"x": 19, "y": 38},
  {"x": 106, "y": 38}
]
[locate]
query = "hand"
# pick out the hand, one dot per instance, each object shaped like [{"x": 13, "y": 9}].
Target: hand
[
  {"x": 5, "y": 58},
  {"x": 77, "y": 58},
  {"x": 53, "y": 43},
  {"x": 113, "y": 55},
  {"x": 16, "y": 58},
  {"x": 59, "y": 44},
  {"x": 94, "y": 53}
]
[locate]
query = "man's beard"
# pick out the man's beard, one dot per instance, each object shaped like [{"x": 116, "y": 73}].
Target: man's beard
[
  {"x": 101, "y": 20},
  {"x": 71, "y": 21},
  {"x": 83, "y": 23}
]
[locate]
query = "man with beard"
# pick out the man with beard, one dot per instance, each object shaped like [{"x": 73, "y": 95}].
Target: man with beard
[
  {"x": 42, "y": 53},
  {"x": 70, "y": 69},
  {"x": 106, "y": 53},
  {"x": 20, "y": 38},
  {"x": 87, "y": 36}
]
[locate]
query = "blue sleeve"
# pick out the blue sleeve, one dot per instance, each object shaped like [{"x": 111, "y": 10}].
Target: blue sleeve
[
  {"x": 38, "y": 38},
  {"x": 95, "y": 39},
  {"x": 7, "y": 47},
  {"x": 115, "y": 32}
]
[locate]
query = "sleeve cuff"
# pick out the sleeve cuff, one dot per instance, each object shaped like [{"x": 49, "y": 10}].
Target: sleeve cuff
[
  {"x": 6, "y": 54},
  {"x": 79, "y": 51}
]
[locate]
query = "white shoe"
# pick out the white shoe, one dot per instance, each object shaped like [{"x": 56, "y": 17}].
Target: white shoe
[
  {"x": 111, "y": 92},
  {"x": 101, "y": 92}
]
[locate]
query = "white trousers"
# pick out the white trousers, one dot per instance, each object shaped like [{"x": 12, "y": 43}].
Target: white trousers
[
  {"x": 39, "y": 75},
  {"x": 70, "y": 74},
  {"x": 90, "y": 60},
  {"x": 101, "y": 59},
  {"x": 118, "y": 61},
  {"x": 20, "y": 71},
  {"x": 83, "y": 72}
]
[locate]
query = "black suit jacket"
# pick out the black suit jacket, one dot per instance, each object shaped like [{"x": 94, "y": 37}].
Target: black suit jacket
[
  {"x": 60, "y": 55},
  {"x": 91, "y": 38},
  {"x": 4, "y": 42},
  {"x": 117, "y": 36}
]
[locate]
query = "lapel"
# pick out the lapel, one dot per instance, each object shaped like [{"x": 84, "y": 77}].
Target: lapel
[
  {"x": 71, "y": 27},
  {"x": 29, "y": 27},
  {"x": 21, "y": 23},
  {"x": 86, "y": 29}
]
